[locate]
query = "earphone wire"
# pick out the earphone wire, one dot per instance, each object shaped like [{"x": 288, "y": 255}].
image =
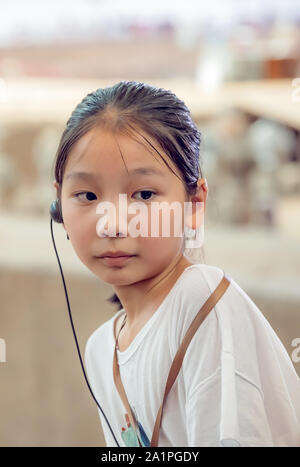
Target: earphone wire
[{"x": 76, "y": 341}]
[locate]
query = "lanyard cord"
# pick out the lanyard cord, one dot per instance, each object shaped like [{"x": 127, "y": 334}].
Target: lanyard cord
[{"x": 73, "y": 329}]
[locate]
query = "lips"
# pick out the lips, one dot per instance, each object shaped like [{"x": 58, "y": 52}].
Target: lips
[
  {"x": 117, "y": 260},
  {"x": 115, "y": 254}
]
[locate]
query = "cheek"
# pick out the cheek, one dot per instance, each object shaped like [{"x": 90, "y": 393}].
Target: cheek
[
  {"x": 81, "y": 245},
  {"x": 159, "y": 249},
  {"x": 80, "y": 231},
  {"x": 168, "y": 223},
  {"x": 157, "y": 253},
  {"x": 167, "y": 229}
]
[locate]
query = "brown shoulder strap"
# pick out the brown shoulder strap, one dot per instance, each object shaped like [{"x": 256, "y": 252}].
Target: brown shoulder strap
[
  {"x": 177, "y": 362},
  {"x": 122, "y": 393}
]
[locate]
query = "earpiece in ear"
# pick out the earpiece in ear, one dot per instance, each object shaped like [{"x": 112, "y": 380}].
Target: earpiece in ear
[{"x": 55, "y": 212}]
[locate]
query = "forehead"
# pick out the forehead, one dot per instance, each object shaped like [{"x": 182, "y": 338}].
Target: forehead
[{"x": 105, "y": 151}]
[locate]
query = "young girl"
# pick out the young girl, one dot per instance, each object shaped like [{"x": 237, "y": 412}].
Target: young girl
[{"x": 237, "y": 385}]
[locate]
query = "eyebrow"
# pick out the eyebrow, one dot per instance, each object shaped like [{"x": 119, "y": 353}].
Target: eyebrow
[{"x": 137, "y": 171}]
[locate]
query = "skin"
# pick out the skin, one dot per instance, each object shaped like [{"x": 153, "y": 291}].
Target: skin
[{"x": 144, "y": 281}]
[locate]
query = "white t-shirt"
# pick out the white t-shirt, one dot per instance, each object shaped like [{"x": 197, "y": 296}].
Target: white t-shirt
[{"x": 237, "y": 385}]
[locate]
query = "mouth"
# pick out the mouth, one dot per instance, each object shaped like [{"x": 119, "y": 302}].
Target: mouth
[
  {"x": 115, "y": 254},
  {"x": 116, "y": 260}
]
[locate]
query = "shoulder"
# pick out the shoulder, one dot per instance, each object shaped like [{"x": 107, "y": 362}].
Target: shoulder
[
  {"x": 200, "y": 280},
  {"x": 234, "y": 324},
  {"x": 206, "y": 272},
  {"x": 235, "y": 309},
  {"x": 196, "y": 284}
]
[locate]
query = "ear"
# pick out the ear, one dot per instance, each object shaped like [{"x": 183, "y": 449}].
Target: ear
[{"x": 194, "y": 214}]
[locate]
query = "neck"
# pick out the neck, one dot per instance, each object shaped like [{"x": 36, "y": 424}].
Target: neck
[{"x": 141, "y": 299}]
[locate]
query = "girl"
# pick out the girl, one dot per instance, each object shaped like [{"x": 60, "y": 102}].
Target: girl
[{"x": 237, "y": 385}]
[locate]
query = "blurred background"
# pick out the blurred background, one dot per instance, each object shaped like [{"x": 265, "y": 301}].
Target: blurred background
[{"x": 237, "y": 66}]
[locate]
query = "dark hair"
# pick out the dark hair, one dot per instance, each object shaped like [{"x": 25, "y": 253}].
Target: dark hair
[{"x": 130, "y": 106}]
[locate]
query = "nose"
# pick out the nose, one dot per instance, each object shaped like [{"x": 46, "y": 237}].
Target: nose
[{"x": 113, "y": 219}]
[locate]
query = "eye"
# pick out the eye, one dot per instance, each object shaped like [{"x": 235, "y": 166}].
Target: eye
[
  {"x": 89, "y": 193},
  {"x": 147, "y": 193}
]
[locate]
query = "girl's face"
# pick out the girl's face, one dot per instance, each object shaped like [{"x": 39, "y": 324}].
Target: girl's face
[{"x": 97, "y": 154}]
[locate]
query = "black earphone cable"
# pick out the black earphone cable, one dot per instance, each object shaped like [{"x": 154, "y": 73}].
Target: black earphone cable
[{"x": 79, "y": 354}]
